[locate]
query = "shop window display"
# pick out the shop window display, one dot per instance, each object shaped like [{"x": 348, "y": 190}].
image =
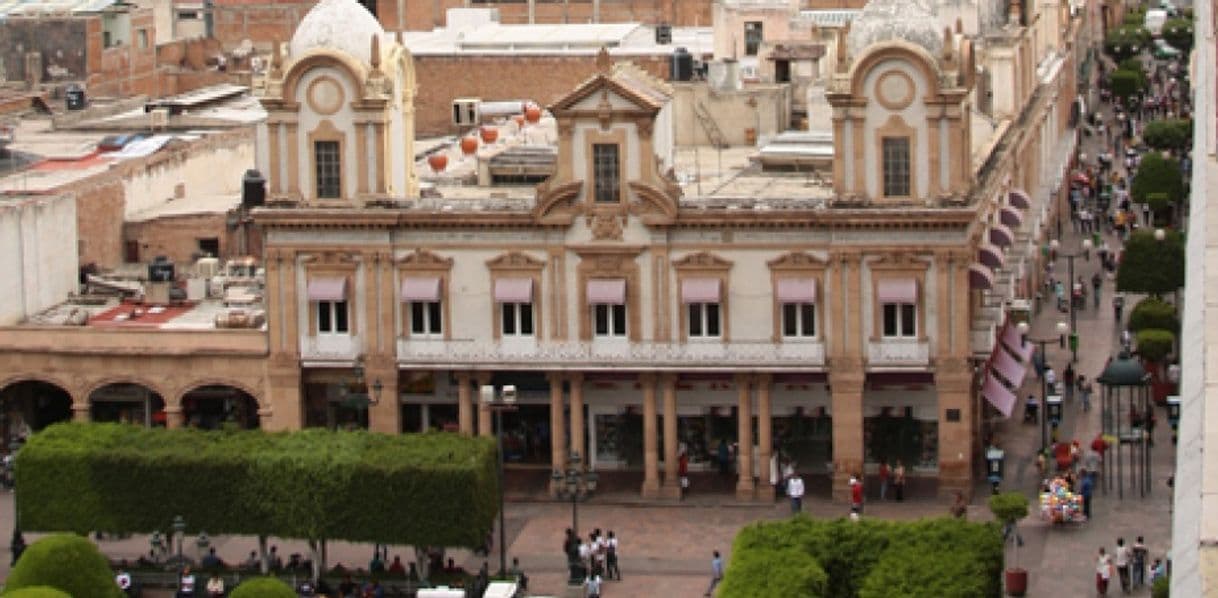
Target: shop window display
[
  {"x": 897, "y": 435},
  {"x": 806, "y": 437}
]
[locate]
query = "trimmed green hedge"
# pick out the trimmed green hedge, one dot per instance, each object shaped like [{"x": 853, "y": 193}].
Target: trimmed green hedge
[
  {"x": 66, "y": 562},
  {"x": 937, "y": 558},
  {"x": 263, "y": 587},
  {"x": 37, "y": 592},
  {"x": 1153, "y": 312},
  {"x": 1154, "y": 345},
  {"x": 434, "y": 489}
]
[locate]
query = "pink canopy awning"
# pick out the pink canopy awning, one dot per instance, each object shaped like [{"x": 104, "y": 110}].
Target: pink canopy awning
[
  {"x": 1019, "y": 198},
  {"x": 607, "y": 291},
  {"x": 700, "y": 290},
  {"x": 796, "y": 290},
  {"x": 991, "y": 255},
  {"x": 897, "y": 290},
  {"x": 1001, "y": 236},
  {"x": 980, "y": 277},
  {"x": 421, "y": 288},
  {"x": 1005, "y": 365},
  {"x": 1010, "y": 216},
  {"x": 1013, "y": 341},
  {"x": 327, "y": 289},
  {"x": 514, "y": 290},
  {"x": 1002, "y": 399}
]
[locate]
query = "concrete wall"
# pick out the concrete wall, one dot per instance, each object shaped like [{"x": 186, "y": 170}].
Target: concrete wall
[
  {"x": 61, "y": 41},
  {"x": 442, "y": 79},
  {"x": 731, "y": 112},
  {"x": 38, "y": 266}
]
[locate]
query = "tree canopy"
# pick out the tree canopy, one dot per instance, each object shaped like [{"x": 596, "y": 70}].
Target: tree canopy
[
  {"x": 1120, "y": 42},
  {"x": 1153, "y": 312},
  {"x": 434, "y": 489},
  {"x": 66, "y": 562},
  {"x": 1154, "y": 344},
  {"x": 1169, "y": 133},
  {"x": 1157, "y": 174},
  {"x": 1179, "y": 33},
  {"x": 1152, "y": 266},
  {"x": 1126, "y": 83}
]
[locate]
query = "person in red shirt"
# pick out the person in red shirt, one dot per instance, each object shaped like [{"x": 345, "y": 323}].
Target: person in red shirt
[{"x": 856, "y": 495}]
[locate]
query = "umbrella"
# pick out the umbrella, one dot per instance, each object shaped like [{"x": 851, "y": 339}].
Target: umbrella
[{"x": 1082, "y": 179}]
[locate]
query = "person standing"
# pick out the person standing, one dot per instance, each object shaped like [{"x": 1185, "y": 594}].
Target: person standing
[
  {"x": 592, "y": 586},
  {"x": 611, "y": 568},
  {"x": 884, "y": 474},
  {"x": 1086, "y": 488},
  {"x": 1103, "y": 572},
  {"x": 1068, "y": 379},
  {"x": 1097, "y": 284},
  {"x": 1084, "y": 392},
  {"x": 186, "y": 583},
  {"x": 1121, "y": 557},
  {"x": 856, "y": 495},
  {"x": 716, "y": 573},
  {"x": 898, "y": 481},
  {"x": 795, "y": 490},
  {"x": 1138, "y": 566}
]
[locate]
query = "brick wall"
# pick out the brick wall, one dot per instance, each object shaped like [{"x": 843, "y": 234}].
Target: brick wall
[
  {"x": 100, "y": 203},
  {"x": 441, "y": 79},
  {"x": 129, "y": 69},
  {"x": 259, "y": 21}
]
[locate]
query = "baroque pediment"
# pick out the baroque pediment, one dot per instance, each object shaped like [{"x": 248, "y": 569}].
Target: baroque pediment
[
  {"x": 702, "y": 260},
  {"x": 796, "y": 260},
  {"x": 423, "y": 259},
  {"x": 515, "y": 260}
]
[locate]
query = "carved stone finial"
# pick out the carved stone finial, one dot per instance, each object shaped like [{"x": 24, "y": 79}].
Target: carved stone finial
[
  {"x": 276, "y": 57},
  {"x": 947, "y": 43},
  {"x": 603, "y": 62},
  {"x": 959, "y": 25},
  {"x": 376, "y": 52}
]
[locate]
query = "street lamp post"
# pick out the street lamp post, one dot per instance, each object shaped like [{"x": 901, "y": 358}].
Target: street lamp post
[
  {"x": 1086, "y": 254},
  {"x": 576, "y": 484},
  {"x": 1044, "y": 385},
  {"x": 179, "y": 529},
  {"x": 17, "y": 544},
  {"x": 504, "y": 401}
]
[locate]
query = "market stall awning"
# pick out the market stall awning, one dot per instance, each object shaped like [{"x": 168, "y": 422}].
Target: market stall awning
[
  {"x": 991, "y": 255},
  {"x": 1010, "y": 216},
  {"x": 1002, "y": 399},
  {"x": 980, "y": 277},
  {"x": 1019, "y": 198},
  {"x": 1006, "y": 366},
  {"x": 1001, "y": 236}
]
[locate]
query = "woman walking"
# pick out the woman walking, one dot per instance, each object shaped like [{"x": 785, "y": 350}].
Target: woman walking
[{"x": 1103, "y": 572}]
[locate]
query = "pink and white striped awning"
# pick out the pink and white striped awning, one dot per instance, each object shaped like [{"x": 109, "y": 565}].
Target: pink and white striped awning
[
  {"x": 796, "y": 290},
  {"x": 1019, "y": 198},
  {"x": 1002, "y": 399},
  {"x": 1005, "y": 365},
  {"x": 701, "y": 290},
  {"x": 991, "y": 255},
  {"x": 607, "y": 291},
  {"x": 327, "y": 289},
  {"x": 514, "y": 290},
  {"x": 980, "y": 277},
  {"x": 1010, "y": 216},
  {"x": 421, "y": 288},
  {"x": 1001, "y": 236},
  {"x": 897, "y": 290}
]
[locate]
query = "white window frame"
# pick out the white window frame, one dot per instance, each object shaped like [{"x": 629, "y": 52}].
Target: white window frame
[
  {"x": 432, "y": 319},
  {"x": 801, "y": 332},
  {"x": 703, "y": 315},
  {"x": 613, "y": 313},
  {"x": 332, "y": 310},
  {"x": 899, "y": 313},
  {"x": 516, "y": 310}
]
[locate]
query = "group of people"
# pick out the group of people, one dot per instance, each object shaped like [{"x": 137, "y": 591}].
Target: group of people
[
  {"x": 596, "y": 556},
  {"x": 1129, "y": 565}
]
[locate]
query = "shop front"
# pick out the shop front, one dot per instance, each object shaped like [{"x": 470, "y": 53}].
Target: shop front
[
  {"x": 128, "y": 404},
  {"x": 326, "y": 403},
  {"x": 900, "y": 423}
]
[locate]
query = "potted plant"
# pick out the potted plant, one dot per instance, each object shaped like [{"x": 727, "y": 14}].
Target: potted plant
[{"x": 1009, "y": 508}]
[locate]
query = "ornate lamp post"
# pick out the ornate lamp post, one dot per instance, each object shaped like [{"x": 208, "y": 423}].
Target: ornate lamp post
[
  {"x": 179, "y": 529},
  {"x": 1086, "y": 254},
  {"x": 17, "y": 545},
  {"x": 576, "y": 484},
  {"x": 364, "y": 395},
  {"x": 1062, "y": 329}
]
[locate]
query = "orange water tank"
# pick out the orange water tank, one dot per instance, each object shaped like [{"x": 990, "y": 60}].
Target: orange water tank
[
  {"x": 437, "y": 162},
  {"x": 532, "y": 113},
  {"x": 469, "y": 144},
  {"x": 489, "y": 134}
]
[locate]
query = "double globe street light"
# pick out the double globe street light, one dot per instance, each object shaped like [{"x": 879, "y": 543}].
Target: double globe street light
[
  {"x": 1062, "y": 328},
  {"x": 1055, "y": 246}
]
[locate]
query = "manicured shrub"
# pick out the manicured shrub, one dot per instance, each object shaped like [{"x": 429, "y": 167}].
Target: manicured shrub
[
  {"x": 1169, "y": 133},
  {"x": 263, "y": 587},
  {"x": 1153, "y": 312},
  {"x": 1151, "y": 266},
  {"x": 1154, "y": 345},
  {"x": 765, "y": 573},
  {"x": 435, "y": 489},
  {"x": 1161, "y": 588},
  {"x": 67, "y": 562},
  {"x": 1157, "y": 174},
  {"x": 36, "y": 592}
]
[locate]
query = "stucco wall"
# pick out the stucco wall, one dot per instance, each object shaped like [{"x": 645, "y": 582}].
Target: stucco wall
[{"x": 38, "y": 265}]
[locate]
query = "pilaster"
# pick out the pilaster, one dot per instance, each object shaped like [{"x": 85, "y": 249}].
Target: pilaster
[
  {"x": 846, "y": 378},
  {"x": 744, "y": 434},
  {"x": 576, "y": 380},
  {"x": 954, "y": 384},
  {"x": 385, "y": 416},
  {"x": 465, "y": 404},
  {"x": 486, "y": 422},
  {"x": 558, "y": 437},
  {"x": 765, "y": 441},
  {"x": 651, "y": 457},
  {"x": 672, "y": 480}
]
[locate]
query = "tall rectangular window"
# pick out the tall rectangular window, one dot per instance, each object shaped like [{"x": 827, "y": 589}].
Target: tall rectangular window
[
  {"x": 425, "y": 319},
  {"x": 607, "y": 172},
  {"x": 798, "y": 319},
  {"x": 610, "y": 320},
  {"x": 896, "y": 166},
  {"x": 900, "y": 320},
  {"x": 332, "y": 317},
  {"x": 752, "y": 38},
  {"x": 517, "y": 319},
  {"x": 329, "y": 171},
  {"x": 703, "y": 320}
]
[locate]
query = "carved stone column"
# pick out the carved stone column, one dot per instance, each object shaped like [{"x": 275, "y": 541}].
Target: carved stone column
[
  {"x": 386, "y": 415},
  {"x": 174, "y": 417},
  {"x": 651, "y": 457},
  {"x": 744, "y": 436},
  {"x": 765, "y": 441},
  {"x": 846, "y": 378},
  {"x": 672, "y": 480}
]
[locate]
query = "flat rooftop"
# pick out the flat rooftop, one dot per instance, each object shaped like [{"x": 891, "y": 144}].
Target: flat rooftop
[
  {"x": 111, "y": 313},
  {"x": 621, "y": 39}
]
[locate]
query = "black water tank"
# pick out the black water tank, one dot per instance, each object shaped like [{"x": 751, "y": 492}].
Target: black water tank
[
  {"x": 161, "y": 270},
  {"x": 253, "y": 189},
  {"x": 663, "y": 34},
  {"x": 74, "y": 97},
  {"x": 682, "y": 65}
]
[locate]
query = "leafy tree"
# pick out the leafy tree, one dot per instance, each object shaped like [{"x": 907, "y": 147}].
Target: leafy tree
[
  {"x": 36, "y": 592},
  {"x": 1169, "y": 134},
  {"x": 1126, "y": 84},
  {"x": 1155, "y": 344},
  {"x": 1121, "y": 41},
  {"x": 263, "y": 587},
  {"x": 1157, "y": 174},
  {"x": 1179, "y": 33},
  {"x": 1152, "y": 266},
  {"x": 66, "y": 562},
  {"x": 1153, "y": 312},
  {"x": 1132, "y": 63},
  {"x": 762, "y": 573}
]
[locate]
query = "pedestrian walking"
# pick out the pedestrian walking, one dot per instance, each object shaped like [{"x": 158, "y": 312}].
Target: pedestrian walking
[
  {"x": 592, "y": 586},
  {"x": 1050, "y": 375},
  {"x": 1138, "y": 566},
  {"x": 716, "y": 573},
  {"x": 795, "y": 490},
  {"x": 1103, "y": 572},
  {"x": 1087, "y": 489},
  {"x": 898, "y": 481},
  {"x": 1068, "y": 379},
  {"x": 1121, "y": 557},
  {"x": 1084, "y": 392},
  {"x": 1118, "y": 306},
  {"x": 1097, "y": 283},
  {"x": 884, "y": 473},
  {"x": 611, "y": 567},
  {"x": 856, "y": 495}
]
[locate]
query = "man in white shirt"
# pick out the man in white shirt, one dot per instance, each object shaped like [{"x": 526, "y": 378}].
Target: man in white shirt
[
  {"x": 795, "y": 489},
  {"x": 592, "y": 586},
  {"x": 1050, "y": 377},
  {"x": 1121, "y": 557}
]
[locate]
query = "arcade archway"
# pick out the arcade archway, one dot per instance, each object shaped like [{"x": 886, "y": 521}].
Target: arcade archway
[
  {"x": 215, "y": 406},
  {"x": 29, "y": 406}
]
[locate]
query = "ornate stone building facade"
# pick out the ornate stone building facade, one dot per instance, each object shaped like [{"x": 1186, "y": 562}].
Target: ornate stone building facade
[{"x": 635, "y": 318}]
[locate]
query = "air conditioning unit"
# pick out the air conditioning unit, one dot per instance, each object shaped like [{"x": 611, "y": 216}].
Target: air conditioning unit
[
  {"x": 465, "y": 112},
  {"x": 158, "y": 118},
  {"x": 207, "y": 267}
]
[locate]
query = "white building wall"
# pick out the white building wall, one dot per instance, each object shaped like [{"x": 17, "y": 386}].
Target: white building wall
[
  {"x": 914, "y": 116},
  {"x": 38, "y": 255},
  {"x": 210, "y": 171}
]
